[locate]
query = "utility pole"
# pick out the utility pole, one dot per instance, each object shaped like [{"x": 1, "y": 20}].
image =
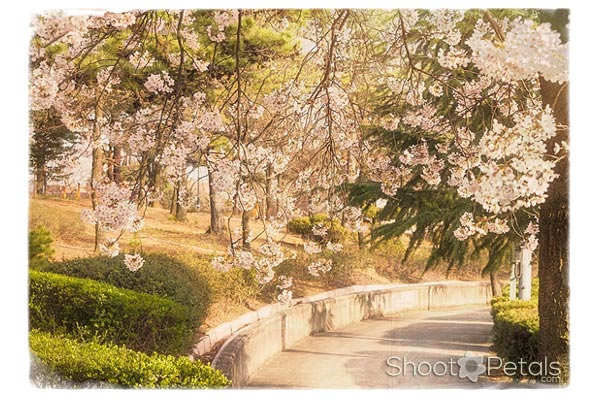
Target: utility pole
[
  {"x": 525, "y": 279},
  {"x": 515, "y": 271}
]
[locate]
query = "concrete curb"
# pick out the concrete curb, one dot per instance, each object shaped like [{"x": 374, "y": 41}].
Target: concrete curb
[
  {"x": 279, "y": 327},
  {"x": 226, "y": 330}
]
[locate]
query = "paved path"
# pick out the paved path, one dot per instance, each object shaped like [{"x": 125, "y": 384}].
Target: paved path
[{"x": 357, "y": 356}]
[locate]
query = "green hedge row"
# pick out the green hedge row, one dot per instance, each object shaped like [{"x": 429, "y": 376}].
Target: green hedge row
[
  {"x": 79, "y": 362},
  {"x": 161, "y": 275},
  {"x": 516, "y": 328},
  {"x": 90, "y": 309}
]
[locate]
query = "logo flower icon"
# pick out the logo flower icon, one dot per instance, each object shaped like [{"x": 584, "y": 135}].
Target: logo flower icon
[{"x": 471, "y": 366}]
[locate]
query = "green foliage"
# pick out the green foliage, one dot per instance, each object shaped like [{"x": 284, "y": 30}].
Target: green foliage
[
  {"x": 431, "y": 215},
  {"x": 300, "y": 226},
  {"x": 303, "y": 226},
  {"x": 95, "y": 310},
  {"x": 388, "y": 255},
  {"x": 345, "y": 266},
  {"x": 51, "y": 141},
  {"x": 161, "y": 275},
  {"x": 40, "y": 246},
  {"x": 117, "y": 365},
  {"x": 234, "y": 287},
  {"x": 516, "y": 327},
  {"x": 237, "y": 285}
]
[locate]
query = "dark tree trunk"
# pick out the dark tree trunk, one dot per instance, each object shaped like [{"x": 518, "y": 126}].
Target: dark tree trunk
[
  {"x": 216, "y": 208},
  {"x": 40, "y": 179},
  {"x": 361, "y": 240},
  {"x": 553, "y": 268},
  {"x": 553, "y": 243}
]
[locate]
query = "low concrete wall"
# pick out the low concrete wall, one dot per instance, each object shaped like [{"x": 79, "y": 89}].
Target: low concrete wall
[{"x": 249, "y": 348}]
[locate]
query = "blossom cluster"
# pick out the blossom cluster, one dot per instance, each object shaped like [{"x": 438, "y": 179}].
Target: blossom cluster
[
  {"x": 319, "y": 267},
  {"x": 159, "y": 83},
  {"x": 527, "y": 51},
  {"x": 114, "y": 211},
  {"x": 443, "y": 23},
  {"x": 468, "y": 227},
  {"x": 223, "y": 19},
  {"x": 133, "y": 262},
  {"x": 264, "y": 262},
  {"x": 285, "y": 282},
  {"x": 508, "y": 168}
]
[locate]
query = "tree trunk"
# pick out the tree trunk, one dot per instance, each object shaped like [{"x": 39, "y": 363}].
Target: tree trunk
[
  {"x": 361, "y": 240},
  {"x": 246, "y": 229},
  {"x": 181, "y": 213},
  {"x": 270, "y": 200},
  {"x": 40, "y": 179},
  {"x": 97, "y": 170},
  {"x": 216, "y": 208},
  {"x": 155, "y": 182},
  {"x": 553, "y": 243},
  {"x": 180, "y": 210},
  {"x": 495, "y": 284},
  {"x": 110, "y": 164},
  {"x": 117, "y": 159}
]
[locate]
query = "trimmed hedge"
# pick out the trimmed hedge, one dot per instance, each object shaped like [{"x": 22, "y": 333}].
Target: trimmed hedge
[
  {"x": 95, "y": 310},
  {"x": 516, "y": 328},
  {"x": 161, "y": 275},
  {"x": 79, "y": 362}
]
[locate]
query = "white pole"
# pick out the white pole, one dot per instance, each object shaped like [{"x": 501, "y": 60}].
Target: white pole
[{"x": 525, "y": 280}]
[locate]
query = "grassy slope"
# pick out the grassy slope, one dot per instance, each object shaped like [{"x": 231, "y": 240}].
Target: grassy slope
[{"x": 162, "y": 233}]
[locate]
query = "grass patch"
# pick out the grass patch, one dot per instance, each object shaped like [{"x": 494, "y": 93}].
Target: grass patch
[{"x": 63, "y": 223}]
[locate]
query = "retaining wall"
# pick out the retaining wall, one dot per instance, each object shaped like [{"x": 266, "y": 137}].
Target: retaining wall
[{"x": 250, "y": 347}]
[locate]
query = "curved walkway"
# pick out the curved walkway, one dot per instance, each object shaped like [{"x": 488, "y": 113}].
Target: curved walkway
[{"x": 424, "y": 348}]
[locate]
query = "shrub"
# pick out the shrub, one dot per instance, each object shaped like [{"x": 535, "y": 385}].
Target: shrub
[
  {"x": 161, "y": 275},
  {"x": 95, "y": 310},
  {"x": 387, "y": 259},
  {"x": 40, "y": 249},
  {"x": 303, "y": 226},
  {"x": 300, "y": 226},
  {"x": 117, "y": 365},
  {"x": 516, "y": 334},
  {"x": 233, "y": 287},
  {"x": 516, "y": 327}
]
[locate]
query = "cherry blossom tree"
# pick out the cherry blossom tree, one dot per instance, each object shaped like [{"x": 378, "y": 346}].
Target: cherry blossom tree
[
  {"x": 479, "y": 101},
  {"x": 292, "y": 110}
]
